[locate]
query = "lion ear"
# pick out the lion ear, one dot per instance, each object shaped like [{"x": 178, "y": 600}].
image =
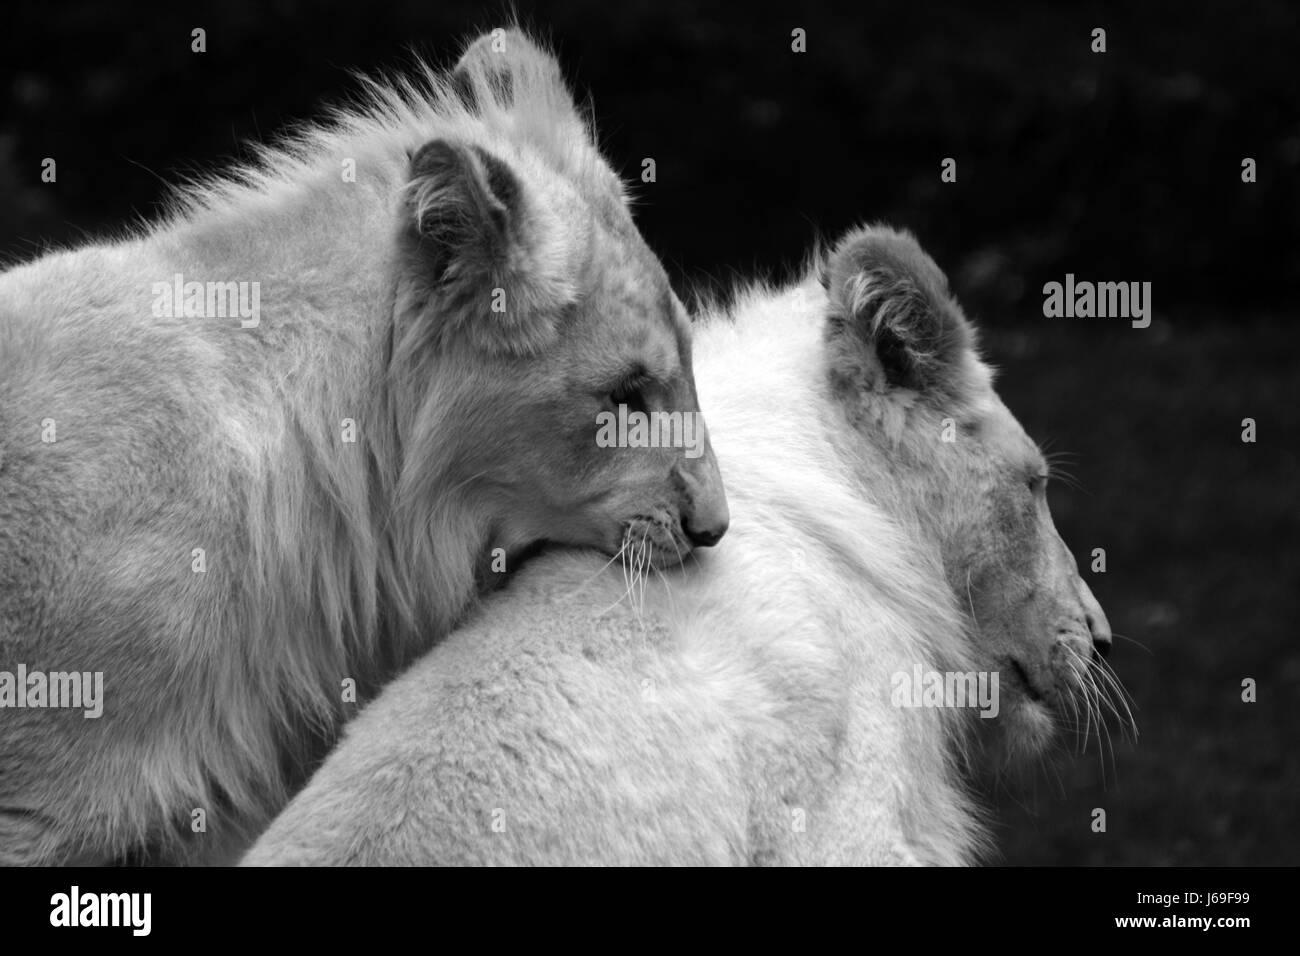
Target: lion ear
[
  {"x": 473, "y": 254},
  {"x": 516, "y": 87},
  {"x": 506, "y": 72},
  {"x": 463, "y": 204},
  {"x": 893, "y": 323}
]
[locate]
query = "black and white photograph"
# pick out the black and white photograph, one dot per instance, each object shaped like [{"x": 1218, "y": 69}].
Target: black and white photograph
[{"x": 649, "y": 434}]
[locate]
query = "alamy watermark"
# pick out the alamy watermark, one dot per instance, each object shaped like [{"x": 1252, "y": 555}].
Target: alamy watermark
[
  {"x": 634, "y": 429},
  {"x": 1085, "y": 300},
  {"x": 82, "y": 690},
  {"x": 208, "y": 300},
  {"x": 130, "y": 910},
  {"x": 922, "y": 688}
]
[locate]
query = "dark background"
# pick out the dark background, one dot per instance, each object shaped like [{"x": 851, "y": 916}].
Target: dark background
[{"x": 1123, "y": 166}]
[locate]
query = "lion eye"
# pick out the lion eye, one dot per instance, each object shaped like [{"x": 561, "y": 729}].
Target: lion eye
[
  {"x": 630, "y": 392},
  {"x": 1037, "y": 483}
]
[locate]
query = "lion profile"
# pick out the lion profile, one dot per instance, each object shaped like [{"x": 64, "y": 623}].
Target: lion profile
[
  {"x": 244, "y": 526},
  {"x": 888, "y": 518}
]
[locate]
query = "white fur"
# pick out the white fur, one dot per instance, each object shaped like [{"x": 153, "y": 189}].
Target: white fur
[{"x": 735, "y": 711}]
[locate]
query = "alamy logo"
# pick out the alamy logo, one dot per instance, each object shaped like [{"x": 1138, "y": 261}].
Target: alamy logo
[
  {"x": 82, "y": 690},
  {"x": 946, "y": 689},
  {"x": 208, "y": 300},
  {"x": 103, "y": 909},
  {"x": 633, "y": 429},
  {"x": 1084, "y": 300}
]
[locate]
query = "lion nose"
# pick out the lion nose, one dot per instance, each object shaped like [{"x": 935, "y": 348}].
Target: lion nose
[
  {"x": 1101, "y": 637},
  {"x": 704, "y": 513},
  {"x": 705, "y": 535},
  {"x": 1098, "y": 626}
]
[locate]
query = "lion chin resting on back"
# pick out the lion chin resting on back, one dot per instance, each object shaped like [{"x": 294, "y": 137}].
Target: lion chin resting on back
[
  {"x": 235, "y": 519},
  {"x": 888, "y": 515}
]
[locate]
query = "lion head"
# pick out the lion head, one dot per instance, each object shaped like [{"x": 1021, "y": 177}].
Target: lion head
[
  {"x": 527, "y": 295},
  {"x": 905, "y": 358}
]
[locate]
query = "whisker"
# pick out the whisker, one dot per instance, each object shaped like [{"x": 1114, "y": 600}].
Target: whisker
[
  {"x": 1070, "y": 699},
  {"x": 1112, "y": 680},
  {"x": 1108, "y": 746},
  {"x": 634, "y": 579},
  {"x": 1125, "y": 637},
  {"x": 643, "y": 573},
  {"x": 668, "y": 590},
  {"x": 588, "y": 582},
  {"x": 624, "y": 553},
  {"x": 1087, "y": 705},
  {"x": 1117, "y": 696}
]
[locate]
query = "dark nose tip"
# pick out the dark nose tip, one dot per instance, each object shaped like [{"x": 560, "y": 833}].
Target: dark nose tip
[
  {"x": 1101, "y": 639},
  {"x": 705, "y": 536},
  {"x": 1095, "y": 618}
]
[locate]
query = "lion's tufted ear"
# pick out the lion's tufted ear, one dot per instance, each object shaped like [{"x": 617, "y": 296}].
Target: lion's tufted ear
[
  {"x": 462, "y": 201},
  {"x": 481, "y": 258},
  {"x": 507, "y": 70},
  {"x": 893, "y": 323},
  {"x": 515, "y": 86}
]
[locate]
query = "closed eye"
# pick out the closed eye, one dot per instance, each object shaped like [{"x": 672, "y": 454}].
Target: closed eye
[
  {"x": 1038, "y": 483},
  {"x": 630, "y": 390}
]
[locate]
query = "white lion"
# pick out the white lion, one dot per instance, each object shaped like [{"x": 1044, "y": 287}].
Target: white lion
[
  {"x": 889, "y": 515},
  {"x": 257, "y": 457}
]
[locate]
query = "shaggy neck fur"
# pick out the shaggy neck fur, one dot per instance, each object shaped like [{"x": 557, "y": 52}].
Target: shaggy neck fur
[{"x": 821, "y": 506}]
